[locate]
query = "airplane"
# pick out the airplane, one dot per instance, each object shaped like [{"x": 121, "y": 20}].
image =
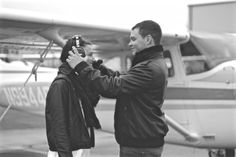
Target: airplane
[{"x": 201, "y": 95}]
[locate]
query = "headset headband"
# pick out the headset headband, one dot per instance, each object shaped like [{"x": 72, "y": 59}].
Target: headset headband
[{"x": 77, "y": 40}]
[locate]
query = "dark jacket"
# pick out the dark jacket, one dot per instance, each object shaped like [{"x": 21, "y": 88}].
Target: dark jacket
[
  {"x": 67, "y": 130},
  {"x": 139, "y": 120}
]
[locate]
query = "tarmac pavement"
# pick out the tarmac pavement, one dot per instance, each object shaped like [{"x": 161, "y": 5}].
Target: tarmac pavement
[{"x": 24, "y": 135}]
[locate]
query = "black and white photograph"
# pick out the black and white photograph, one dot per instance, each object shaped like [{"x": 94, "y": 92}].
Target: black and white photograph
[{"x": 103, "y": 78}]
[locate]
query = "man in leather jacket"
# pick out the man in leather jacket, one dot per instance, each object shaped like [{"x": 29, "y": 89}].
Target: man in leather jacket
[
  {"x": 70, "y": 114},
  {"x": 140, "y": 125}
]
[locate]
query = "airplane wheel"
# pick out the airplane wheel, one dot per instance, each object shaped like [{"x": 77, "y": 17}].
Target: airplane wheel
[
  {"x": 221, "y": 153},
  {"x": 216, "y": 153},
  {"x": 229, "y": 153}
]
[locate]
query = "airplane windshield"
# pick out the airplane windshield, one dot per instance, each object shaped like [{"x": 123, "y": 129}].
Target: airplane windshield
[{"x": 202, "y": 53}]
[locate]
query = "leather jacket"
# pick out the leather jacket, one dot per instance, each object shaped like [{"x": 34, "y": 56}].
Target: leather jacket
[
  {"x": 139, "y": 119},
  {"x": 67, "y": 120}
]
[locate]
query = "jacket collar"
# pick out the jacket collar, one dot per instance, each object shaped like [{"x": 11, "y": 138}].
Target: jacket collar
[
  {"x": 65, "y": 69},
  {"x": 148, "y": 53}
]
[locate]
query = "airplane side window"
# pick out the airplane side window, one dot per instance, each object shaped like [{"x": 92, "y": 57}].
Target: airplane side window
[
  {"x": 169, "y": 63},
  {"x": 193, "y": 60}
]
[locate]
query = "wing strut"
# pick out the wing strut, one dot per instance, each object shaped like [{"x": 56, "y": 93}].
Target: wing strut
[
  {"x": 189, "y": 136},
  {"x": 37, "y": 64},
  {"x": 52, "y": 34},
  {"x": 33, "y": 71}
]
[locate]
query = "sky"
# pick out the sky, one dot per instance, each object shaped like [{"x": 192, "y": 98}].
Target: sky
[{"x": 170, "y": 14}]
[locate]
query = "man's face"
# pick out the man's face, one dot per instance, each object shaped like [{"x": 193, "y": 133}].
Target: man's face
[
  {"x": 89, "y": 53},
  {"x": 137, "y": 42},
  {"x": 88, "y": 50}
]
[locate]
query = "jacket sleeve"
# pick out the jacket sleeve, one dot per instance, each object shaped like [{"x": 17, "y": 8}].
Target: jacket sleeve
[
  {"x": 103, "y": 69},
  {"x": 106, "y": 71},
  {"x": 57, "y": 100},
  {"x": 137, "y": 79}
]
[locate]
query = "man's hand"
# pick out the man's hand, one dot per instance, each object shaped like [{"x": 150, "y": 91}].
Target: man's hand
[{"x": 74, "y": 58}]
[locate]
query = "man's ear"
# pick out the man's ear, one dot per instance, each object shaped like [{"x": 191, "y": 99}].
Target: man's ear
[{"x": 149, "y": 40}]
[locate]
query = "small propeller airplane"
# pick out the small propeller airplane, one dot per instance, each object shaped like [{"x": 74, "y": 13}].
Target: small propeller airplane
[{"x": 200, "y": 105}]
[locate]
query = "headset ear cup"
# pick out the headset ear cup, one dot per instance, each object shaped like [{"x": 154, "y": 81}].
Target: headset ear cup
[
  {"x": 77, "y": 39},
  {"x": 81, "y": 51}
]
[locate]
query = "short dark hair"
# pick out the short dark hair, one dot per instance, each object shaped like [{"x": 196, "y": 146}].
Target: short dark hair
[
  {"x": 149, "y": 27},
  {"x": 68, "y": 47}
]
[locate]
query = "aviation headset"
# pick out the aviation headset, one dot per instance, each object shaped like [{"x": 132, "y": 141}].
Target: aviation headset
[
  {"x": 78, "y": 39},
  {"x": 80, "y": 42}
]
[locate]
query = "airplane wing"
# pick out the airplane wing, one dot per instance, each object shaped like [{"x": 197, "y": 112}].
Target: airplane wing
[
  {"x": 20, "y": 27},
  {"x": 24, "y": 27}
]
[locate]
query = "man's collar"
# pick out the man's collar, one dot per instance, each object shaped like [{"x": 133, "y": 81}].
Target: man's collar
[
  {"x": 156, "y": 48},
  {"x": 148, "y": 53},
  {"x": 65, "y": 69}
]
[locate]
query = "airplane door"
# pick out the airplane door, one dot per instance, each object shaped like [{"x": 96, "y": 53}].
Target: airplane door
[
  {"x": 174, "y": 104},
  {"x": 234, "y": 81}
]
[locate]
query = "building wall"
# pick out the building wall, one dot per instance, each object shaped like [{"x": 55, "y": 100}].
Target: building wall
[{"x": 213, "y": 17}]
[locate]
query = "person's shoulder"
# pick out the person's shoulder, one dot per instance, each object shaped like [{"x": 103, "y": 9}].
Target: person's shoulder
[
  {"x": 157, "y": 66},
  {"x": 156, "y": 62},
  {"x": 61, "y": 80},
  {"x": 149, "y": 63},
  {"x": 143, "y": 63}
]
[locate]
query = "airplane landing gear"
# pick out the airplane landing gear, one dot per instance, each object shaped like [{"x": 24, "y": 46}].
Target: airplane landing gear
[
  {"x": 216, "y": 153},
  {"x": 221, "y": 153}
]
